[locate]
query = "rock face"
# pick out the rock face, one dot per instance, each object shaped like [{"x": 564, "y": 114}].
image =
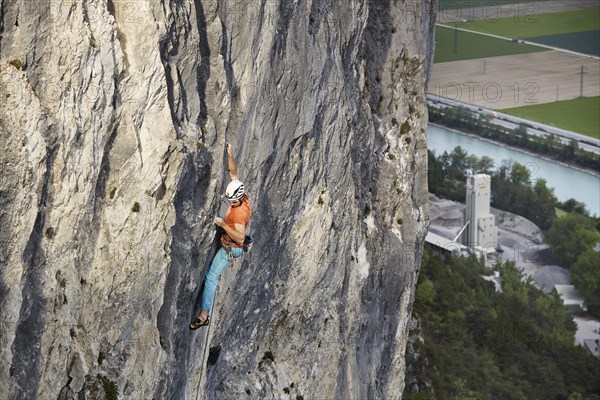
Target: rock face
[{"x": 112, "y": 125}]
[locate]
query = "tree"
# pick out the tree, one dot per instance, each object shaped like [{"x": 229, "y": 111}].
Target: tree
[
  {"x": 426, "y": 291},
  {"x": 485, "y": 165},
  {"x": 461, "y": 392},
  {"x": 568, "y": 152},
  {"x": 458, "y": 158},
  {"x": 482, "y": 344},
  {"x": 570, "y": 236},
  {"x": 575, "y": 206},
  {"x": 445, "y": 160},
  {"x": 544, "y": 213},
  {"x": 435, "y": 171},
  {"x": 586, "y": 277},
  {"x": 485, "y": 117},
  {"x": 519, "y": 174},
  {"x": 472, "y": 161},
  {"x": 521, "y": 134},
  {"x": 505, "y": 166}
]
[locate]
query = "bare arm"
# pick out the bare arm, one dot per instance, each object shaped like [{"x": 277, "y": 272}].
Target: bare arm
[
  {"x": 231, "y": 167},
  {"x": 238, "y": 234}
]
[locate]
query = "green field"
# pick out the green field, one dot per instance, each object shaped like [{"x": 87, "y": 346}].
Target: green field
[
  {"x": 473, "y": 45},
  {"x": 529, "y": 24},
  {"x": 587, "y": 42},
  {"x": 579, "y": 115},
  {"x": 456, "y": 4}
]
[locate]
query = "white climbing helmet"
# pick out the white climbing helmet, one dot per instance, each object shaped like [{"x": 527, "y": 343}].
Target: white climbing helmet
[{"x": 235, "y": 190}]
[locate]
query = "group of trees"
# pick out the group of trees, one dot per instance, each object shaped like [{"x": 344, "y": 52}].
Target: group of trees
[
  {"x": 514, "y": 191},
  {"x": 480, "y": 124},
  {"x": 571, "y": 238},
  {"x": 512, "y": 188},
  {"x": 518, "y": 343},
  {"x": 482, "y": 344}
]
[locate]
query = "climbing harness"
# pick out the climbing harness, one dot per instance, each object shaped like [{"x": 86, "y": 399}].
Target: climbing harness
[
  {"x": 246, "y": 246},
  {"x": 228, "y": 251}
]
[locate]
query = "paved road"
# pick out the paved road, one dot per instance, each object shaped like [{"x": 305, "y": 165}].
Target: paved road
[{"x": 534, "y": 128}]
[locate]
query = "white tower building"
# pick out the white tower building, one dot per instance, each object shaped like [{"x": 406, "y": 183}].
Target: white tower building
[{"x": 481, "y": 233}]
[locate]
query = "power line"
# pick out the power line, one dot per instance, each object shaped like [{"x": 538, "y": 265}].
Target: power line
[
  {"x": 455, "y": 39},
  {"x": 581, "y": 73}
]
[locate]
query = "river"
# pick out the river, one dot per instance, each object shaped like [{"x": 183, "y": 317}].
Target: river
[{"x": 567, "y": 182}]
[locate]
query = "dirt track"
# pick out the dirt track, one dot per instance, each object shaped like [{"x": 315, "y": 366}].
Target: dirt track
[
  {"x": 520, "y": 10},
  {"x": 516, "y": 80}
]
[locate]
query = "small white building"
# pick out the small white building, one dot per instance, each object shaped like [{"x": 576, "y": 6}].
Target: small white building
[
  {"x": 481, "y": 234},
  {"x": 570, "y": 297}
]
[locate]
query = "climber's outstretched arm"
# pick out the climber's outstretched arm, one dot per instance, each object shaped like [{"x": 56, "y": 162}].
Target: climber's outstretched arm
[{"x": 231, "y": 162}]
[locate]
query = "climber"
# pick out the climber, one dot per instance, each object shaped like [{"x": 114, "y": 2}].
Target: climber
[{"x": 236, "y": 221}]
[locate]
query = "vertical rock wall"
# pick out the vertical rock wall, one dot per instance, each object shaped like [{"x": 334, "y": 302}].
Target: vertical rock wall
[{"x": 112, "y": 125}]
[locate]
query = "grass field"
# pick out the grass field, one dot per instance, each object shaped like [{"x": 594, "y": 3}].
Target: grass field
[
  {"x": 525, "y": 26},
  {"x": 579, "y": 115},
  {"x": 472, "y": 45},
  {"x": 448, "y": 4},
  {"x": 582, "y": 42}
]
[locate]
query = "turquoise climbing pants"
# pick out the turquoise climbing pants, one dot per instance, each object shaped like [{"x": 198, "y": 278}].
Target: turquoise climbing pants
[{"x": 218, "y": 265}]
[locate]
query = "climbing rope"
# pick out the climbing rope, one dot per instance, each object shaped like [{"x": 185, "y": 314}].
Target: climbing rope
[
  {"x": 204, "y": 361},
  {"x": 207, "y": 338}
]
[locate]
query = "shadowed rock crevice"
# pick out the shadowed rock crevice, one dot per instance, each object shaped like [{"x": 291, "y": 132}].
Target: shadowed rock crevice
[
  {"x": 3, "y": 10},
  {"x": 172, "y": 84},
  {"x": 378, "y": 34},
  {"x": 27, "y": 349},
  {"x": 180, "y": 306},
  {"x": 169, "y": 47},
  {"x": 428, "y": 18},
  {"x": 286, "y": 12},
  {"x": 103, "y": 174},
  {"x": 203, "y": 69}
]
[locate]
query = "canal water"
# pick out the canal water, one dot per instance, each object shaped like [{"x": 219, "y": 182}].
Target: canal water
[{"x": 566, "y": 181}]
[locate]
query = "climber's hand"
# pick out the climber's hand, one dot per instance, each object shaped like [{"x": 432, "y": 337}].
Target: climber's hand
[{"x": 219, "y": 221}]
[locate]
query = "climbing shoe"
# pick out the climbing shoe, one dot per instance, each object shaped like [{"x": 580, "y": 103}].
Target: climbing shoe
[{"x": 198, "y": 323}]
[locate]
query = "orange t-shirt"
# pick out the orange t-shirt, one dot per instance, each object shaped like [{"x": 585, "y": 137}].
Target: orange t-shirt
[{"x": 236, "y": 215}]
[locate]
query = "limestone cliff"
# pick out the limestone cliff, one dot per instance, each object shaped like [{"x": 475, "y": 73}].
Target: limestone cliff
[{"x": 113, "y": 118}]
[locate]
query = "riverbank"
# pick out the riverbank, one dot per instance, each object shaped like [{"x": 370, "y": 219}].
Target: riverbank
[{"x": 593, "y": 172}]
